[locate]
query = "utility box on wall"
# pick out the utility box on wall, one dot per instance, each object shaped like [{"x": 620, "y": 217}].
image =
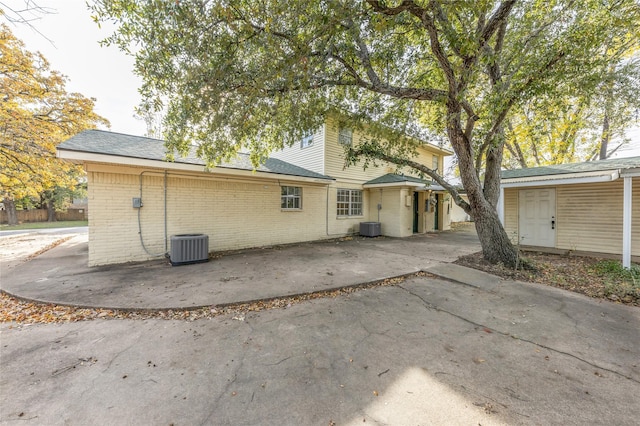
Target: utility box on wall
[{"x": 370, "y": 229}]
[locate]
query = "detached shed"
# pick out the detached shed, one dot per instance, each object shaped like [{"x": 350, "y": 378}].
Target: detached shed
[{"x": 591, "y": 207}]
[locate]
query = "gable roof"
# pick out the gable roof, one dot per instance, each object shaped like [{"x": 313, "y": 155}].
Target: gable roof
[
  {"x": 114, "y": 145},
  {"x": 589, "y": 171}
]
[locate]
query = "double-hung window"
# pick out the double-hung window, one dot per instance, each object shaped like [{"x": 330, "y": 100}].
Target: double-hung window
[
  {"x": 307, "y": 140},
  {"x": 434, "y": 163},
  {"x": 349, "y": 202},
  {"x": 345, "y": 136},
  {"x": 291, "y": 198}
]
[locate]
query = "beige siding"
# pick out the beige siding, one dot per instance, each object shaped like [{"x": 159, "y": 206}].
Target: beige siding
[
  {"x": 511, "y": 214},
  {"x": 310, "y": 158},
  {"x": 635, "y": 218},
  {"x": 588, "y": 216},
  {"x": 334, "y": 159},
  {"x": 235, "y": 214}
]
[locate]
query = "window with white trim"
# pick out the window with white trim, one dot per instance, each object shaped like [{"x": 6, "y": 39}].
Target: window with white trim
[
  {"x": 290, "y": 198},
  {"x": 434, "y": 162},
  {"x": 307, "y": 140},
  {"x": 349, "y": 202},
  {"x": 345, "y": 136}
]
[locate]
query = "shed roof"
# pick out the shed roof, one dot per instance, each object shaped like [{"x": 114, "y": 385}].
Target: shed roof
[
  {"x": 586, "y": 167},
  {"x": 138, "y": 147},
  {"x": 576, "y": 173}
]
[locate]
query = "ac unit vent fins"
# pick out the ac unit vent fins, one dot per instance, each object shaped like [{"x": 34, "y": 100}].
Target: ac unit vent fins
[{"x": 189, "y": 248}]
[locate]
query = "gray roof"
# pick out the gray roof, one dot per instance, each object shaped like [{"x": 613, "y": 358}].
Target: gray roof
[
  {"x": 391, "y": 178},
  {"x": 121, "y": 145},
  {"x": 560, "y": 169},
  {"x": 396, "y": 178}
]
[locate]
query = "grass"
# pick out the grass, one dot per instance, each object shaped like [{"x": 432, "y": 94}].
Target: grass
[
  {"x": 619, "y": 283},
  {"x": 44, "y": 225}
]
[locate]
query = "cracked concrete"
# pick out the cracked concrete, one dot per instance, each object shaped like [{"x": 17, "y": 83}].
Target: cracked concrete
[
  {"x": 466, "y": 348},
  {"x": 430, "y": 351}
]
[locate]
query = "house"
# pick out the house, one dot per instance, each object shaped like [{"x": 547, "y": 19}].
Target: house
[
  {"x": 137, "y": 200},
  {"x": 589, "y": 207}
]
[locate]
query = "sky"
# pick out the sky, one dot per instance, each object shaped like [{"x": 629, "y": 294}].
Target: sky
[
  {"x": 69, "y": 39},
  {"x": 73, "y": 48}
]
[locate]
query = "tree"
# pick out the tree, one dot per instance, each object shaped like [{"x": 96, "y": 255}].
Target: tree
[
  {"x": 36, "y": 113},
  {"x": 580, "y": 124},
  {"x": 240, "y": 74}
]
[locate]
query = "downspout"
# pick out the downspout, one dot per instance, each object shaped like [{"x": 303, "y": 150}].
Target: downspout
[{"x": 166, "y": 242}]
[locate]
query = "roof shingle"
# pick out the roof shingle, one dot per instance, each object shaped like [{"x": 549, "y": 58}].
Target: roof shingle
[
  {"x": 122, "y": 145},
  {"x": 559, "y": 169}
]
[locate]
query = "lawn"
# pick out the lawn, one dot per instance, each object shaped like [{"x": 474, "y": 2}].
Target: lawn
[{"x": 44, "y": 225}]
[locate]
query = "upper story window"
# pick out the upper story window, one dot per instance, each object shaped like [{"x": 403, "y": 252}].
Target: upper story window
[
  {"x": 307, "y": 140},
  {"x": 434, "y": 162},
  {"x": 349, "y": 202},
  {"x": 345, "y": 136},
  {"x": 290, "y": 198}
]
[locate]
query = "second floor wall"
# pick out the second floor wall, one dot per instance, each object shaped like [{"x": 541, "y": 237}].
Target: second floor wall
[{"x": 324, "y": 153}]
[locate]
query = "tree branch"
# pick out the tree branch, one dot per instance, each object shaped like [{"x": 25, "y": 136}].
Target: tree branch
[{"x": 380, "y": 155}]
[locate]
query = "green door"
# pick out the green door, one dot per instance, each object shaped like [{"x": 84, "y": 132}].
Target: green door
[
  {"x": 435, "y": 212},
  {"x": 416, "y": 212}
]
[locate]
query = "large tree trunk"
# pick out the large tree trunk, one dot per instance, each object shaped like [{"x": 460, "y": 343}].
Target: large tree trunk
[
  {"x": 12, "y": 214},
  {"x": 496, "y": 246},
  {"x": 604, "y": 140},
  {"x": 51, "y": 212}
]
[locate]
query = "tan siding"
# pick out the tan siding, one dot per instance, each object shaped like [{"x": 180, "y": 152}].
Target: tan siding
[
  {"x": 234, "y": 214},
  {"x": 310, "y": 158},
  {"x": 334, "y": 159},
  {"x": 589, "y": 217},
  {"x": 635, "y": 218},
  {"x": 511, "y": 213}
]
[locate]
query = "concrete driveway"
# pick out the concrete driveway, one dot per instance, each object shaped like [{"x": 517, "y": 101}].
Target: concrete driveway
[
  {"x": 457, "y": 348},
  {"x": 61, "y": 275}
]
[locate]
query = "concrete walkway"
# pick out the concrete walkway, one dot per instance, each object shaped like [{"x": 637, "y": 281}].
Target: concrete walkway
[{"x": 61, "y": 275}]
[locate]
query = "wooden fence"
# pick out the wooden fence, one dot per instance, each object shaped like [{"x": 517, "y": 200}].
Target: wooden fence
[{"x": 40, "y": 215}]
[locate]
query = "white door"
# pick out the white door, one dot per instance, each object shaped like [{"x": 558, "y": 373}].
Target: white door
[{"x": 537, "y": 217}]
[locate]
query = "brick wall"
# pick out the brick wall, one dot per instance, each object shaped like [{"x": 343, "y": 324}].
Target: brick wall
[{"x": 234, "y": 213}]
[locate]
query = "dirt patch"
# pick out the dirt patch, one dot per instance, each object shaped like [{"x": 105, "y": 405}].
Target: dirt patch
[{"x": 584, "y": 275}]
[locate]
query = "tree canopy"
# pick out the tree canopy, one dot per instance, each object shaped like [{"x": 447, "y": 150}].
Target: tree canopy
[
  {"x": 36, "y": 114},
  {"x": 237, "y": 74}
]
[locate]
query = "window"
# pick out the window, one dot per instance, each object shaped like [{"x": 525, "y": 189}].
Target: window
[
  {"x": 307, "y": 140},
  {"x": 291, "y": 197},
  {"x": 434, "y": 162},
  {"x": 349, "y": 202},
  {"x": 345, "y": 136}
]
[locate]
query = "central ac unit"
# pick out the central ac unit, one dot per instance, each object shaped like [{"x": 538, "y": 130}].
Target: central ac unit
[
  {"x": 189, "y": 248},
  {"x": 370, "y": 229}
]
